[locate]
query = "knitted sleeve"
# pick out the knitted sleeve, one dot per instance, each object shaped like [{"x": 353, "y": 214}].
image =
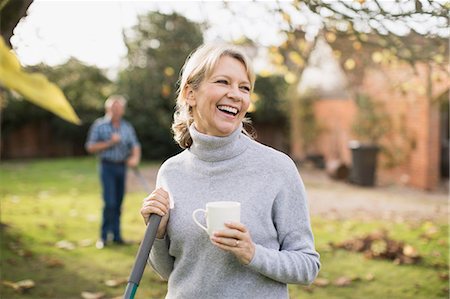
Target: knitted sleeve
[
  {"x": 160, "y": 259},
  {"x": 296, "y": 261}
]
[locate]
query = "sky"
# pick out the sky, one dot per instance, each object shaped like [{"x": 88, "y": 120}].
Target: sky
[{"x": 91, "y": 31}]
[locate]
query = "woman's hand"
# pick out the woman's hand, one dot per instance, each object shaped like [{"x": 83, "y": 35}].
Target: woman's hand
[
  {"x": 237, "y": 240},
  {"x": 157, "y": 203}
]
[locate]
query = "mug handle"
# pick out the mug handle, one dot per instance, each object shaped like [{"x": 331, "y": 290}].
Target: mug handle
[{"x": 195, "y": 219}]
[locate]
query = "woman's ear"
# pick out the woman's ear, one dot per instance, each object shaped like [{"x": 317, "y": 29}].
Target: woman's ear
[{"x": 189, "y": 95}]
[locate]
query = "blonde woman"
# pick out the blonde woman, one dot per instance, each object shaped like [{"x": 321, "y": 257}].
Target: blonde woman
[{"x": 273, "y": 245}]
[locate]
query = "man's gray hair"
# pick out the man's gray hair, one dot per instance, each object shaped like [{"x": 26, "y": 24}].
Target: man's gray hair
[{"x": 115, "y": 98}]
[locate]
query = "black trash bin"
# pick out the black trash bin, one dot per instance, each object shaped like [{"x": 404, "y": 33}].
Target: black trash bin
[{"x": 364, "y": 163}]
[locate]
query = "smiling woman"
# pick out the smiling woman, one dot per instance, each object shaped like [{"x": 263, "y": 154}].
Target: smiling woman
[
  {"x": 221, "y": 102},
  {"x": 214, "y": 93},
  {"x": 272, "y": 244}
]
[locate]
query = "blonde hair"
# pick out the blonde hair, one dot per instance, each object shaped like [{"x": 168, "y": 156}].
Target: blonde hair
[{"x": 198, "y": 66}]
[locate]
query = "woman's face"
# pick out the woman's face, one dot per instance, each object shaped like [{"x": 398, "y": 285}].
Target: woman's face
[{"x": 222, "y": 100}]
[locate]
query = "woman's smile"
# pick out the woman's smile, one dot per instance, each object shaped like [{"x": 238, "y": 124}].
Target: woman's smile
[{"x": 221, "y": 101}]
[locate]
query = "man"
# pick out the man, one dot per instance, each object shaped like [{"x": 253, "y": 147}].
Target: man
[{"x": 114, "y": 140}]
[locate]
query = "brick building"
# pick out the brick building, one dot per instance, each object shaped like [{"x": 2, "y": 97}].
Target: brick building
[{"x": 415, "y": 150}]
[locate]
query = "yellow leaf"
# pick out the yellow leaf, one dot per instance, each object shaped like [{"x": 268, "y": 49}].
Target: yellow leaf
[
  {"x": 302, "y": 45},
  {"x": 438, "y": 58},
  {"x": 349, "y": 64},
  {"x": 265, "y": 73},
  {"x": 290, "y": 78},
  {"x": 357, "y": 46},
  {"x": 169, "y": 71},
  {"x": 377, "y": 57},
  {"x": 91, "y": 295},
  {"x": 254, "y": 97},
  {"x": 286, "y": 17},
  {"x": 115, "y": 282},
  {"x": 278, "y": 58},
  {"x": 33, "y": 87},
  {"x": 337, "y": 54},
  {"x": 251, "y": 108},
  {"x": 363, "y": 37},
  {"x": 330, "y": 37},
  {"x": 165, "y": 90},
  {"x": 296, "y": 58}
]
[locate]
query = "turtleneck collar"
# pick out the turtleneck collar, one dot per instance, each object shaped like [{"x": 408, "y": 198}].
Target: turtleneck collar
[{"x": 213, "y": 148}]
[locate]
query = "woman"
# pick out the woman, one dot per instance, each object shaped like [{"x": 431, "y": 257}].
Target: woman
[{"x": 273, "y": 245}]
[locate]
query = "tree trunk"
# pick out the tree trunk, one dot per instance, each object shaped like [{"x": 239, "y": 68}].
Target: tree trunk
[{"x": 10, "y": 14}]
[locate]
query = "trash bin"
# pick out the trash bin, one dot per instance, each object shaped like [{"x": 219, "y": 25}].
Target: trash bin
[{"x": 364, "y": 163}]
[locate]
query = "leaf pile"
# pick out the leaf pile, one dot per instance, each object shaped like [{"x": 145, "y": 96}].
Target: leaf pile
[
  {"x": 20, "y": 286},
  {"x": 377, "y": 245}
]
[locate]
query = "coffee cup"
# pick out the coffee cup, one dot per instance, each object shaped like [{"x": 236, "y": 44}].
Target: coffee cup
[{"x": 217, "y": 213}]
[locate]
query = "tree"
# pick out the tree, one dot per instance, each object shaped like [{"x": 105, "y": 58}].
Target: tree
[
  {"x": 362, "y": 33},
  {"x": 270, "y": 100},
  {"x": 10, "y": 14},
  {"x": 157, "y": 48}
]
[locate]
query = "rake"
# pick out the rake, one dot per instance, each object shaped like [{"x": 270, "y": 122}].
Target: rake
[{"x": 145, "y": 247}]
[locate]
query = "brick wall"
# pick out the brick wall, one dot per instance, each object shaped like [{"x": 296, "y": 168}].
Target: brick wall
[
  {"x": 36, "y": 140},
  {"x": 413, "y": 143},
  {"x": 335, "y": 116}
]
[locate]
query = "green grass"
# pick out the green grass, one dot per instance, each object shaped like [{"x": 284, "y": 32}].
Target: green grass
[{"x": 46, "y": 201}]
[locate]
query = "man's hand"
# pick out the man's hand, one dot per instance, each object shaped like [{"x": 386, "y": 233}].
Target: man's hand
[
  {"x": 135, "y": 157},
  {"x": 132, "y": 162},
  {"x": 115, "y": 138}
]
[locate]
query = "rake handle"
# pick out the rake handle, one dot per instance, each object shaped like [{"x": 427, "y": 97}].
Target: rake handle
[{"x": 142, "y": 256}]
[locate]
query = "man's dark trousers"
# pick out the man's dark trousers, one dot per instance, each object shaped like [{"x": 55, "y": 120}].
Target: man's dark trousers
[{"x": 112, "y": 176}]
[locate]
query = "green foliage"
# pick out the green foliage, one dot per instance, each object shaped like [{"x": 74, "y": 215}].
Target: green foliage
[
  {"x": 371, "y": 122},
  {"x": 157, "y": 49},
  {"x": 271, "y": 104},
  {"x": 310, "y": 126}
]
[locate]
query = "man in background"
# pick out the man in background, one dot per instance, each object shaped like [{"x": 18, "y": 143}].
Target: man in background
[{"x": 114, "y": 140}]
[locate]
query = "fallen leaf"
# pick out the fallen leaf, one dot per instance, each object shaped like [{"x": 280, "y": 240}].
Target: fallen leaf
[
  {"x": 64, "y": 244},
  {"x": 90, "y": 295},
  {"x": 116, "y": 282},
  {"x": 53, "y": 262},
  {"x": 321, "y": 282},
  {"x": 435, "y": 253},
  {"x": 369, "y": 277},
  {"x": 443, "y": 275},
  {"x": 442, "y": 242},
  {"x": 342, "y": 281},
  {"x": 410, "y": 251},
  {"x": 308, "y": 289},
  {"x": 85, "y": 243},
  {"x": 21, "y": 285},
  {"x": 379, "y": 245}
]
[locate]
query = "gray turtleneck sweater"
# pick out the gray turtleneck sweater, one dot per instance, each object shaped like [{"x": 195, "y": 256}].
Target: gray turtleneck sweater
[{"x": 273, "y": 208}]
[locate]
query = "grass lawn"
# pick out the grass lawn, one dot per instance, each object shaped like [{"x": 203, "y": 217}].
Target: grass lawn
[{"x": 50, "y": 217}]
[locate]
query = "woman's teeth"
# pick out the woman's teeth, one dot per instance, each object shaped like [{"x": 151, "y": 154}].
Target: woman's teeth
[{"x": 228, "y": 109}]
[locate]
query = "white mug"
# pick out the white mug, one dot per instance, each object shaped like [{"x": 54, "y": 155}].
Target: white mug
[{"x": 217, "y": 213}]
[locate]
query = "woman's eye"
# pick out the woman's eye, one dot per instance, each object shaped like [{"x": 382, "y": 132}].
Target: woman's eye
[
  {"x": 222, "y": 81},
  {"x": 246, "y": 88}
]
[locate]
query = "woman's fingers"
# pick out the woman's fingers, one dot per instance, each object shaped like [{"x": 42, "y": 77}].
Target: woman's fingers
[
  {"x": 156, "y": 203},
  {"x": 237, "y": 240}
]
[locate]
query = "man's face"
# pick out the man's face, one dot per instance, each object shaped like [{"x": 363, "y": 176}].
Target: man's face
[{"x": 117, "y": 110}]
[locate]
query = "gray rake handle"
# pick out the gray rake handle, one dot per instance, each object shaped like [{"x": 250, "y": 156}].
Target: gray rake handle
[{"x": 145, "y": 247}]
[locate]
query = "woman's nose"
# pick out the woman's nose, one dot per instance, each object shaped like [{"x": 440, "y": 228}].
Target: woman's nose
[{"x": 234, "y": 93}]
